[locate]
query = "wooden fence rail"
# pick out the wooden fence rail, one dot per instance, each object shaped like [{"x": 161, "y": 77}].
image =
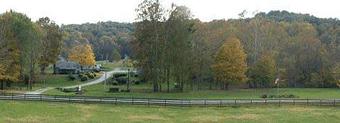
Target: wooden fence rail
[{"x": 167, "y": 102}]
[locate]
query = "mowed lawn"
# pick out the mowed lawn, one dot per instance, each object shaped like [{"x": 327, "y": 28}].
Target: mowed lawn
[
  {"x": 44, "y": 112},
  {"x": 145, "y": 91}
]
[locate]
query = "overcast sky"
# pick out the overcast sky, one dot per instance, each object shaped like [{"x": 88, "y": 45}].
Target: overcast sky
[{"x": 82, "y": 11}]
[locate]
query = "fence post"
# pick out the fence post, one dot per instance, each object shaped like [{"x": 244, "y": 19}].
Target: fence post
[
  {"x": 235, "y": 101},
  {"x": 220, "y": 102},
  {"x": 24, "y": 96},
  {"x": 320, "y": 102},
  {"x": 205, "y": 102},
  {"x": 116, "y": 101},
  {"x": 251, "y": 101},
  {"x": 148, "y": 102},
  {"x": 307, "y": 101},
  {"x": 132, "y": 100},
  {"x": 279, "y": 102},
  {"x": 334, "y": 102},
  {"x": 165, "y": 102},
  {"x": 12, "y": 96}
]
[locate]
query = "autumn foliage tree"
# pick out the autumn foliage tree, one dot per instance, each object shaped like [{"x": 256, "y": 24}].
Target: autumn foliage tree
[
  {"x": 263, "y": 72},
  {"x": 9, "y": 52},
  {"x": 82, "y": 54},
  {"x": 51, "y": 43},
  {"x": 20, "y": 45},
  {"x": 230, "y": 63}
]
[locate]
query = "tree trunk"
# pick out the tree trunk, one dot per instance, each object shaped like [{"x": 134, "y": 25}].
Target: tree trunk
[
  {"x": 226, "y": 85},
  {"x": 155, "y": 87},
  {"x": 2, "y": 85},
  {"x": 42, "y": 69},
  {"x": 8, "y": 84},
  {"x": 167, "y": 80},
  {"x": 54, "y": 70}
]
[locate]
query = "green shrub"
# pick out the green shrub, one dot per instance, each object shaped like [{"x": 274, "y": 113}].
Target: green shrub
[
  {"x": 121, "y": 80},
  {"x": 114, "y": 82},
  {"x": 83, "y": 78},
  {"x": 272, "y": 96},
  {"x": 72, "y": 77},
  {"x": 81, "y": 75},
  {"x": 94, "y": 74},
  {"x": 176, "y": 85},
  {"x": 114, "y": 89},
  {"x": 279, "y": 96},
  {"x": 292, "y": 96},
  {"x": 123, "y": 90},
  {"x": 90, "y": 75},
  {"x": 117, "y": 75},
  {"x": 67, "y": 90}
]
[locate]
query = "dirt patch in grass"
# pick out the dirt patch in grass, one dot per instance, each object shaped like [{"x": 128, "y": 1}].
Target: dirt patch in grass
[
  {"x": 207, "y": 118},
  {"x": 245, "y": 117},
  {"x": 210, "y": 118},
  {"x": 145, "y": 118},
  {"x": 86, "y": 111},
  {"x": 112, "y": 110},
  {"x": 29, "y": 119},
  {"x": 301, "y": 109}
]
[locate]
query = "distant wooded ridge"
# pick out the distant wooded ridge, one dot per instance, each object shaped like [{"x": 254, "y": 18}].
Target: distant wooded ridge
[{"x": 120, "y": 34}]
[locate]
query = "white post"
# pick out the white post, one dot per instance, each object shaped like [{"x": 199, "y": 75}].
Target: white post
[
  {"x": 278, "y": 85},
  {"x": 105, "y": 81}
]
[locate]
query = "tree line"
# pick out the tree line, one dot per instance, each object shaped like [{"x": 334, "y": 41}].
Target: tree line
[
  {"x": 26, "y": 47},
  {"x": 297, "y": 50}
]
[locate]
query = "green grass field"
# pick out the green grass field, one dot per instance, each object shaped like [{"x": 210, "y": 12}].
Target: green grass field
[
  {"x": 144, "y": 90},
  {"x": 43, "y": 112},
  {"x": 48, "y": 80}
]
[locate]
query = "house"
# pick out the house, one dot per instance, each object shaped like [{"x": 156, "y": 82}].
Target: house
[{"x": 66, "y": 67}]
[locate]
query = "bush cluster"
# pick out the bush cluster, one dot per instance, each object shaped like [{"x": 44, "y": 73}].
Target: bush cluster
[
  {"x": 72, "y": 77},
  {"x": 87, "y": 75},
  {"x": 279, "y": 96}
]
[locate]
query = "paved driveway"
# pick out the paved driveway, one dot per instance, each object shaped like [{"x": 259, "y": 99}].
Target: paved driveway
[{"x": 106, "y": 75}]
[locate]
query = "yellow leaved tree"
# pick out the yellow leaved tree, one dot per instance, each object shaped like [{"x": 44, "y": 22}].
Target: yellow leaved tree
[
  {"x": 230, "y": 63},
  {"x": 2, "y": 72},
  {"x": 83, "y": 54}
]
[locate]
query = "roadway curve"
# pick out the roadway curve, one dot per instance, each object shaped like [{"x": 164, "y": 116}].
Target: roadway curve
[{"x": 99, "y": 80}]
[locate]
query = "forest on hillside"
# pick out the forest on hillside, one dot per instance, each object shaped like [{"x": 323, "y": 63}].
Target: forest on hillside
[
  {"x": 106, "y": 38},
  {"x": 295, "y": 50}
]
